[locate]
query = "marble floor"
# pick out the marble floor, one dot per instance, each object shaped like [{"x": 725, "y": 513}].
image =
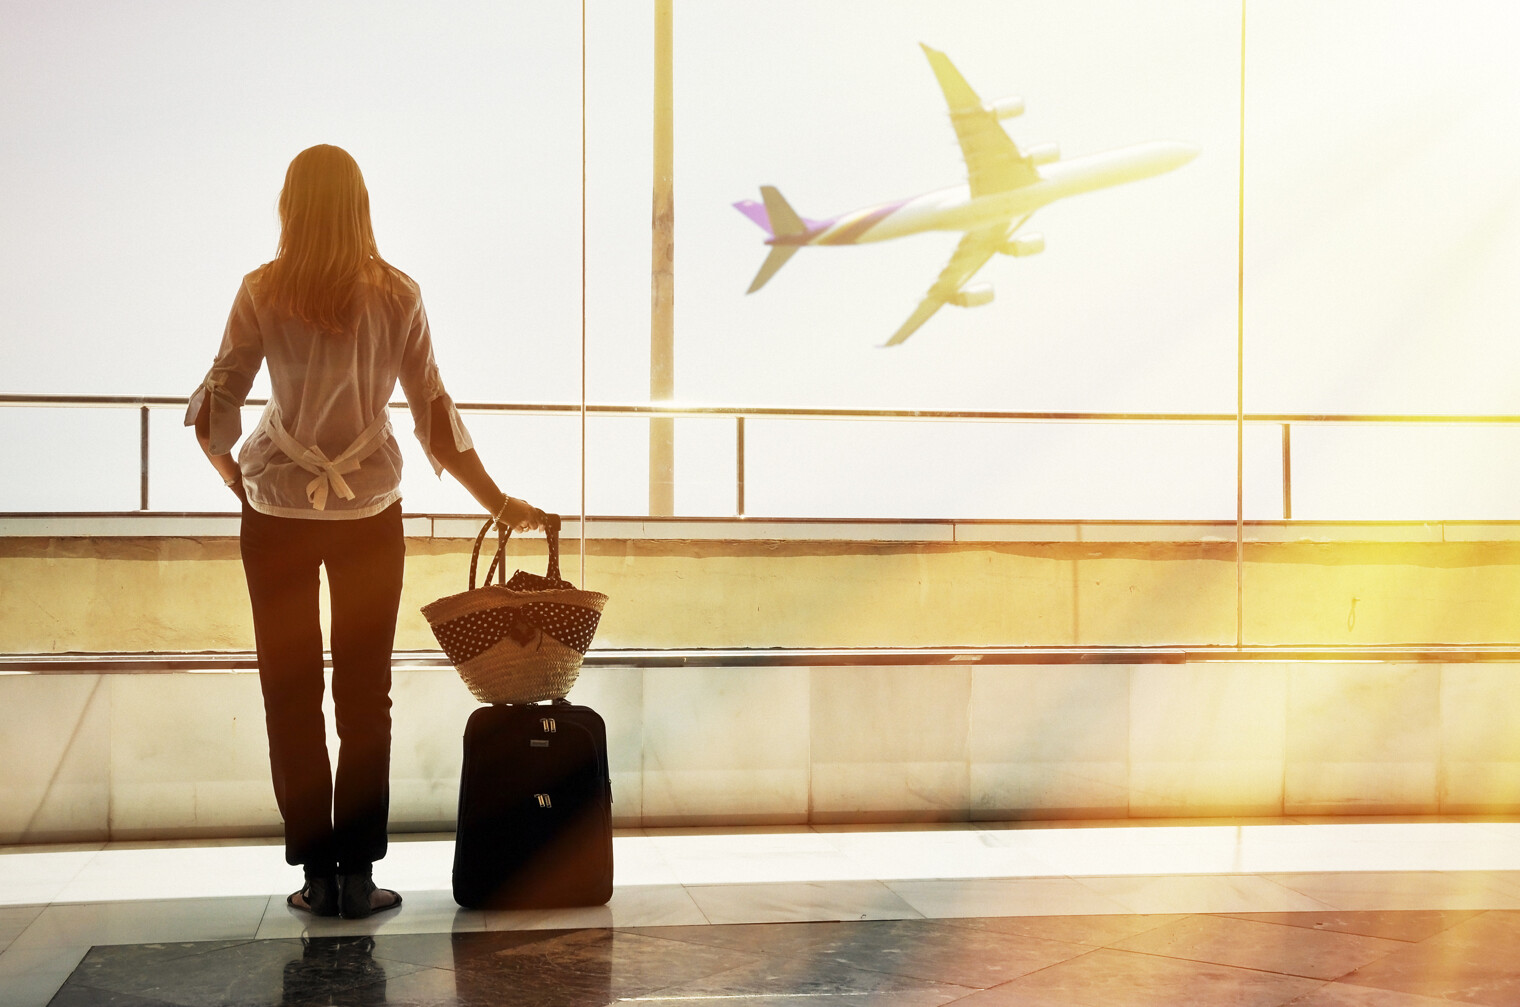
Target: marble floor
[{"x": 1307, "y": 912}]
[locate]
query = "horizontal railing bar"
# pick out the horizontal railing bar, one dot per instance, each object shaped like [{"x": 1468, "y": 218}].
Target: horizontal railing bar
[
  {"x": 740, "y": 520},
  {"x": 423, "y": 660},
  {"x": 634, "y": 410},
  {"x": 92, "y": 401}
]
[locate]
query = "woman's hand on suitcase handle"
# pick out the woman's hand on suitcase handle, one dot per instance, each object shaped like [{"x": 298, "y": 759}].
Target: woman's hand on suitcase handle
[{"x": 519, "y": 515}]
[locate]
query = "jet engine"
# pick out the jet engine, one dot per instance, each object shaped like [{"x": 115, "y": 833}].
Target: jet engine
[
  {"x": 1006, "y": 108},
  {"x": 972, "y": 296},
  {"x": 1043, "y": 153},
  {"x": 1029, "y": 244}
]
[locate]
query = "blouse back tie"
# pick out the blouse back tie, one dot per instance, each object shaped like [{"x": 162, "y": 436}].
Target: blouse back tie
[{"x": 329, "y": 472}]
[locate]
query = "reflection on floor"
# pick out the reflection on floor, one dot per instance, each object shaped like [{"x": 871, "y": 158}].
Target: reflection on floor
[
  {"x": 1360, "y": 913},
  {"x": 1378, "y": 958}
]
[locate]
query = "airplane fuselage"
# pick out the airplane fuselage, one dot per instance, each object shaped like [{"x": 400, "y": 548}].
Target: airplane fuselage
[{"x": 953, "y": 208}]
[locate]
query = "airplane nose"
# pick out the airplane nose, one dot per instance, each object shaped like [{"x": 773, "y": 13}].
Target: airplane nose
[
  {"x": 1182, "y": 153},
  {"x": 1167, "y": 155}
]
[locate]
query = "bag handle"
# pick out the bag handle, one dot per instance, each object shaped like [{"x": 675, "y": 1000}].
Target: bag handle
[
  {"x": 498, "y": 565},
  {"x": 501, "y": 545},
  {"x": 551, "y": 531}
]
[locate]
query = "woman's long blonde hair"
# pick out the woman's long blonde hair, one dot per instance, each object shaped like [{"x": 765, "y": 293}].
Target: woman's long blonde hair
[{"x": 326, "y": 241}]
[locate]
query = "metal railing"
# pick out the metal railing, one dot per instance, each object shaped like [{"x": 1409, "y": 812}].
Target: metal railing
[
  {"x": 1286, "y": 421},
  {"x": 229, "y": 661}
]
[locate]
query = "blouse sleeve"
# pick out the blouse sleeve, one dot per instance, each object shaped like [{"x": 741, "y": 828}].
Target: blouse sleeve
[
  {"x": 423, "y": 385},
  {"x": 231, "y": 376}
]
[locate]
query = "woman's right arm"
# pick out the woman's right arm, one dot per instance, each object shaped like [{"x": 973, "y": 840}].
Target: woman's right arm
[
  {"x": 226, "y": 466},
  {"x": 214, "y": 406}
]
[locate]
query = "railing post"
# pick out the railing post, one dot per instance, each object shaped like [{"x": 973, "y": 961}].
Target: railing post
[
  {"x": 143, "y": 456},
  {"x": 1287, "y": 470},
  {"x": 739, "y": 465},
  {"x": 662, "y": 282}
]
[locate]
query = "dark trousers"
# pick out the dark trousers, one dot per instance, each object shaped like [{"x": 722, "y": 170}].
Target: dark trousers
[{"x": 330, "y": 824}]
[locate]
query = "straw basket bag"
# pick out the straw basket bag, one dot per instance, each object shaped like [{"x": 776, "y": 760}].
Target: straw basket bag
[{"x": 517, "y": 641}]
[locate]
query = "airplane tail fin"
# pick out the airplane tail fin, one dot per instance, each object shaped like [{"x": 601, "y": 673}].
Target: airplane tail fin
[
  {"x": 784, "y": 222},
  {"x": 780, "y": 221},
  {"x": 775, "y": 215}
]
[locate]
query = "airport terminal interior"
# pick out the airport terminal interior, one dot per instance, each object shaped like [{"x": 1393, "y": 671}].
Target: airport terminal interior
[{"x": 1145, "y": 635}]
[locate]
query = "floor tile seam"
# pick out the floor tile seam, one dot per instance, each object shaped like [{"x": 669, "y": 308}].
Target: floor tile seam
[
  {"x": 456, "y": 968},
  {"x": 1162, "y": 920},
  {"x": 686, "y": 983},
  {"x": 412, "y": 969},
  {"x": 1246, "y": 968},
  {"x": 638, "y": 931},
  {"x": 33, "y": 919},
  {"x": 803, "y": 956},
  {"x": 1323, "y": 905},
  {"x": 1045, "y": 968},
  {"x": 1245, "y": 917},
  {"x": 27, "y": 929},
  {"x": 67, "y": 975},
  {"x": 23, "y": 906},
  {"x": 1350, "y": 902},
  {"x": 262, "y": 917},
  {"x": 956, "y": 921},
  {"x": 83, "y": 866},
  {"x": 140, "y": 996},
  {"x": 933, "y": 979},
  {"x": 69, "y": 983},
  {"x": 1330, "y": 934},
  {"x": 1129, "y": 910},
  {"x": 1343, "y": 981},
  {"x": 235, "y": 943},
  {"x": 686, "y": 890},
  {"x": 967, "y": 923},
  {"x": 634, "y": 989}
]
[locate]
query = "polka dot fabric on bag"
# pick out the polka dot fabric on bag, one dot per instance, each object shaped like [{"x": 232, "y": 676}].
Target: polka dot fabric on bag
[
  {"x": 569, "y": 624},
  {"x": 472, "y": 634}
]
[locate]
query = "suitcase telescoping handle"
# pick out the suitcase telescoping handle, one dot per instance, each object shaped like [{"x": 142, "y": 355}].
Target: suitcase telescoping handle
[{"x": 499, "y": 561}]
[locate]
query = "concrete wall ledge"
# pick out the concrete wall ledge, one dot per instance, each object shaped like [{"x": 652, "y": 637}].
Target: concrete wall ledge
[{"x": 174, "y": 583}]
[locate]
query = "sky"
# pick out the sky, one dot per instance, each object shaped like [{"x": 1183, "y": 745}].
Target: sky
[{"x": 1381, "y": 227}]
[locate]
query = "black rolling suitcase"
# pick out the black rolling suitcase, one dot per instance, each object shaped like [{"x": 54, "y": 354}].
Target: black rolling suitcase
[{"x": 535, "y": 809}]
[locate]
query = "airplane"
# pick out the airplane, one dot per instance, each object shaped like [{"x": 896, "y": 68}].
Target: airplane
[{"x": 1005, "y": 185}]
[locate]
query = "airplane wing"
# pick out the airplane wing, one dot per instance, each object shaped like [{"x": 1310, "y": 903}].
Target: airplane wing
[
  {"x": 993, "y": 161},
  {"x": 971, "y": 254}
]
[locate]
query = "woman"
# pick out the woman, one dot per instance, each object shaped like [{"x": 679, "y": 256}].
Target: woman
[{"x": 319, "y": 482}]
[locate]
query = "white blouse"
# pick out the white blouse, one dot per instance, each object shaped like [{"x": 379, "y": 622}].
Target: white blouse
[{"x": 324, "y": 447}]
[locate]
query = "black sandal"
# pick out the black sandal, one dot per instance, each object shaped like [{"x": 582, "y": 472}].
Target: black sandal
[
  {"x": 356, "y": 890},
  {"x": 319, "y": 897}
]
